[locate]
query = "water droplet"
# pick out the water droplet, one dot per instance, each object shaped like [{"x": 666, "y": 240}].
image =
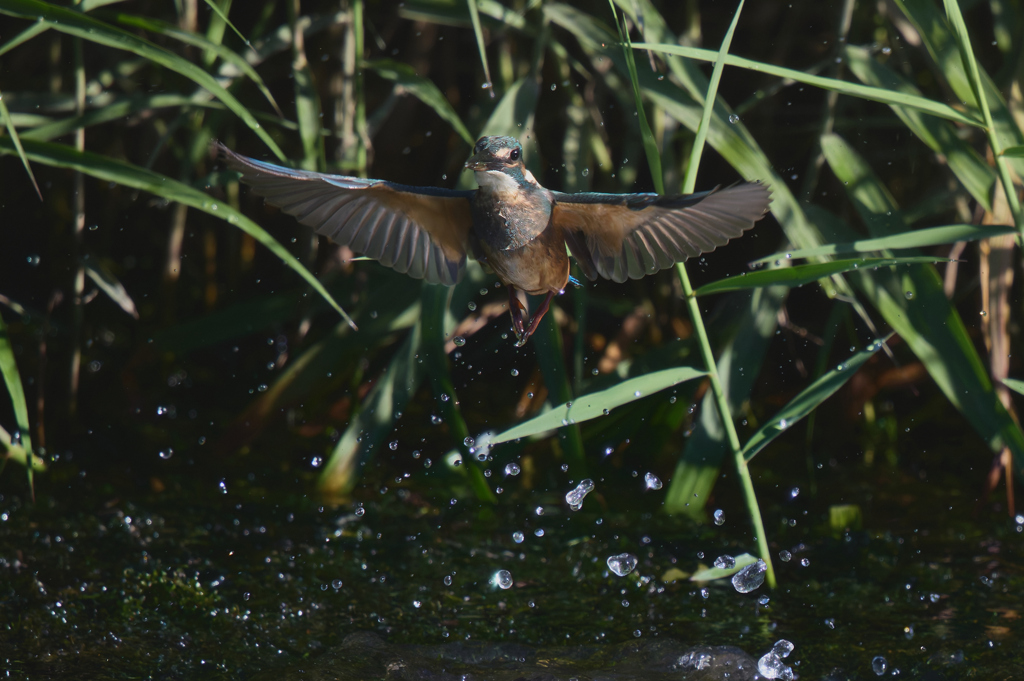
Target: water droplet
[
  {"x": 586, "y": 171},
  {"x": 471, "y": 305},
  {"x": 575, "y": 497},
  {"x": 750, "y": 577},
  {"x": 359, "y": 511},
  {"x": 719, "y": 517},
  {"x": 515, "y": 372},
  {"x": 33, "y": 260},
  {"x": 725, "y": 562},
  {"x": 771, "y": 667},
  {"x": 794, "y": 493},
  {"x": 886, "y": 50},
  {"x": 435, "y": 419},
  {"x": 166, "y": 453},
  {"x": 983, "y": 313},
  {"x": 316, "y": 462},
  {"x": 782, "y": 648},
  {"x": 879, "y": 665},
  {"x": 337, "y": 584},
  {"x": 782, "y": 424},
  {"x": 459, "y": 341},
  {"x": 553, "y": 87},
  {"x": 447, "y": 580},
  {"x": 622, "y": 564},
  {"x": 652, "y": 481},
  {"x": 909, "y": 295},
  {"x": 785, "y": 556},
  {"x": 393, "y": 445},
  {"x": 502, "y": 579},
  {"x": 734, "y": 119},
  {"x": 518, "y": 537},
  {"x": 539, "y": 532},
  {"x": 512, "y": 469},
  {"x": 805, "y": 562},
  {"x": 469, "y": 441},
  {"x": 223, "y": 487}
]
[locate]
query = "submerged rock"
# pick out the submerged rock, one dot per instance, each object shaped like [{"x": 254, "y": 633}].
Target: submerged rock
[{"x": 363, "y": 656}]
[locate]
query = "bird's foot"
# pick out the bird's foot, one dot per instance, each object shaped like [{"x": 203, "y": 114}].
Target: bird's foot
[
  {"x": 515, "y": 307},
  {"x": 535, "y": 320}
]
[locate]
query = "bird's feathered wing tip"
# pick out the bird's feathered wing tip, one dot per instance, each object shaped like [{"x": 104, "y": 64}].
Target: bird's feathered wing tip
[
  {"x": 629, "y": 236},
  {"x": 419, "y": 231}
]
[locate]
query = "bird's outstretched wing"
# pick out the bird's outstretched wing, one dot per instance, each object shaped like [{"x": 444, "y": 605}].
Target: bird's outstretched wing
[
  {"x": 419, "y": 231},
  {"x": 628, "y": 236}
]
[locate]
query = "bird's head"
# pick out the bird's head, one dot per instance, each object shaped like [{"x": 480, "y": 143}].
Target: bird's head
[{"x": 498, "y": 164}]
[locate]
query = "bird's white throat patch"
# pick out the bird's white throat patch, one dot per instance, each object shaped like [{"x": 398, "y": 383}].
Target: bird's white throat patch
[{"x": 496, "y": 181}]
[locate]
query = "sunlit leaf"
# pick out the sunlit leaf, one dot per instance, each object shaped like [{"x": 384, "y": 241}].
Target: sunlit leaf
[
  {"x": 919, "y": 238},
  {"x": 596, "y": 404},
  {"x": 807, "y": 401},
  {"x": 711, "y": 574},
  {"x": 805, "y": 274},
  {"x": 109, "y": 284},
  {"x": 1014, "y": 385}
]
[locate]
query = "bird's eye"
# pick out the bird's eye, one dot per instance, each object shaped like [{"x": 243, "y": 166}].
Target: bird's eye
[{"x": 514, "y": 155}]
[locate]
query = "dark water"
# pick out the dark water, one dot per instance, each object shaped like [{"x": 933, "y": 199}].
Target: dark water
[{"x": 200, "y": 581}]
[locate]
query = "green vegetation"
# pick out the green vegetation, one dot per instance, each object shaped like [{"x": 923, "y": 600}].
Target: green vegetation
[{"x": 110, "y": 110}]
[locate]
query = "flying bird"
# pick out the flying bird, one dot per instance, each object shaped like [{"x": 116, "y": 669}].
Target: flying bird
[{"x": 510, "y": 223}]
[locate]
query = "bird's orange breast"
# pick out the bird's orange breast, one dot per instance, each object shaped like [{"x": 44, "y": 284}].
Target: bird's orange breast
[{"x": 539, "y": 267}]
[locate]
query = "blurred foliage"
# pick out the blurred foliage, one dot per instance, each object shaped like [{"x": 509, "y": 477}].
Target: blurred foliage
[{"x": 154, "y": 338}]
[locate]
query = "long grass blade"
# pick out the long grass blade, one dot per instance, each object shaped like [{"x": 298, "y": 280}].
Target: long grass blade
[
  {"x": 805, "y": 274},
  {"x": 963, "y": 40},
  {"x": 423, "y": 89},
  {"x": 110, "y": 170},
  {"x": 13, "y": 133},
  {"x": 12, "y": 381},
  {"x": 690, "y": 180},
  {"x": 478, "y": 33},
  {"x": 744, "y": 337},
  {"x": 915, "y": 306},
  {"x": 189, "y": 38},
  {"x": 597, "y": 404},
  {"x": 109, "y": 284},
  {"x": 224, "y": 17},
  {"x": 976, "y": 175},
  {"x": 808, "y": 400},
  {"x": 23, "y": 37},
  {"x": 92, "y": 30},
  {"x": 843, "y": 87},
  {"x": 646, "y": 135},
  {"x": 919, "y": 238},
  {"x": 375, "y": 419}
]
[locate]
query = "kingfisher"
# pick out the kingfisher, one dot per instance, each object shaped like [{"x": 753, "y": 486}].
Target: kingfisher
[{"x": 510, "y": 223}]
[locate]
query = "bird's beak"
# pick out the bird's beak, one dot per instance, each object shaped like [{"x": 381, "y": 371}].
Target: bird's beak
[{"x": 480, "y": 162}]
